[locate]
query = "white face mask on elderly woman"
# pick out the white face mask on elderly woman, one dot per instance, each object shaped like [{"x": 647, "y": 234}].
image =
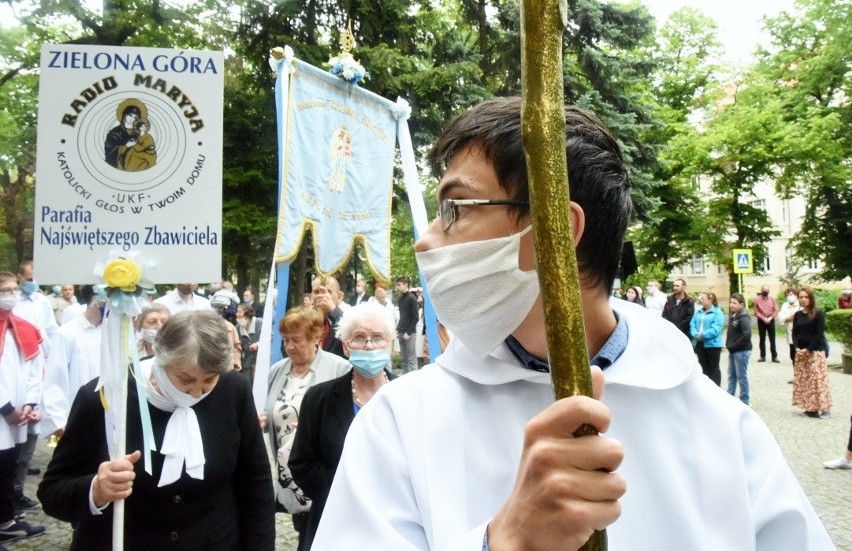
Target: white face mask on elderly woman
[{"x": 478, "y": 290}]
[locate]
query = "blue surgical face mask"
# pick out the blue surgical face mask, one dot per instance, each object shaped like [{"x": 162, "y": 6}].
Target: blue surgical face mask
[
  {"x": 370, "y": 363},
  {"x": 57, "y": 290},
  {"x": 29, "y": 287}
]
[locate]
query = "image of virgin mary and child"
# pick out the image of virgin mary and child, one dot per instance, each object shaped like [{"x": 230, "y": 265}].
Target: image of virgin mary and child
[{"x": 130, "y": 146}]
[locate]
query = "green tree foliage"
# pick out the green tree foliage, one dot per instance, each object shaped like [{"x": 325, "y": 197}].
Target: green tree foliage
[
  {"x": 788, "y": 119},
  {"x": 685, "y": 54},
  {"x": 138, "y": 23},
  {"x": 444, "y": 56},
  {"x": 647, "y": 272},
  {"x": 809, "y": 66},
  {"x": 18, "y": 95},
  {"x": 682, "y": 83},
  {"x": 605, "y": 71},
  {"x": 735, "y": 154},
  {"x": 122, "y": 22},
  {"x": 249, "y": 181}
]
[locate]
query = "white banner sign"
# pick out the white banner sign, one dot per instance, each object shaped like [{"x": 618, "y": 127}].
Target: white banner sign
[{"x": 129, "y": 159}]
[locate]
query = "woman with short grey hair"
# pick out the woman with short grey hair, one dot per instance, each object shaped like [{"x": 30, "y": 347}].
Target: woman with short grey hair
[
  {"x": 208, "y": 484},
  {"x": 366, "y": 331},
  {"x": 356, "y": 316},
  {"x": 200, "y": 339}
]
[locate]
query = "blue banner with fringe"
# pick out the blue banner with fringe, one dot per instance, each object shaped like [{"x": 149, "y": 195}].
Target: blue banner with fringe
[{"x": 338, "y": 157}]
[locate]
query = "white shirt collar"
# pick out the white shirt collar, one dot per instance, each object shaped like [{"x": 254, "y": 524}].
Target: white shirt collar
[{"x": 657, "y": 356}]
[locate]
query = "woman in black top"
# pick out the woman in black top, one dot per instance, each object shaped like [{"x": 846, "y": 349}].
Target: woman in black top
[
  {"x": 209, "y": 486},
  {"x": 810, "y": 386}
]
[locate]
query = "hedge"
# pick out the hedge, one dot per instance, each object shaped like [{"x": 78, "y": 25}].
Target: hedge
[{"x": 838, "y": 323}]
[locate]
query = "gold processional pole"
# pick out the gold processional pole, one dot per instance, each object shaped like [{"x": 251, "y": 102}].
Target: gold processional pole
[{"x": 543, "y": 126}]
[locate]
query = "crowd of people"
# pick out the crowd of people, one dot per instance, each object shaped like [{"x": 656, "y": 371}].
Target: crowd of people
[
  {"x": 703, "y": 322},
  {"x": 471, "y": 452},
  {"x": 799, "y": 313},
  {"x": 65, "y": 345}
]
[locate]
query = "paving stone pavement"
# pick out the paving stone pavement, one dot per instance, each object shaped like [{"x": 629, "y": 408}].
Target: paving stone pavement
[{"x": 805, "y": 443}]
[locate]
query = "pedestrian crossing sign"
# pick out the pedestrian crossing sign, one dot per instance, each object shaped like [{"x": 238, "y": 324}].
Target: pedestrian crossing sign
[{"x": 743, "y": 261}]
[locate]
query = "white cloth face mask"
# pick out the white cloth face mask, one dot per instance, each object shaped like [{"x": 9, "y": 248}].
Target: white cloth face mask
[
  {"x": 478, "y": 290},
  {"x": 182, "y": 442},
  {"x": 8, "y": 302}
]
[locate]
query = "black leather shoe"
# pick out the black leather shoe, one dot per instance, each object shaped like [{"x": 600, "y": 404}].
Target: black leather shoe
[
  {"x": 32, "y": 471},
  {"x": 761, "y": 359}
]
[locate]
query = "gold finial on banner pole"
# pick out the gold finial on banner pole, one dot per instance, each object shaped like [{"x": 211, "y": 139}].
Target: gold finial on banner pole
[
  {"x": 347, "y": 40},
  {"x": 344, "y": 65}
]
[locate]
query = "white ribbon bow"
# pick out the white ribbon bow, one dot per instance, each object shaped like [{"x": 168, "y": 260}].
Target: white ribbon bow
[{"x": 182, "y": 442}]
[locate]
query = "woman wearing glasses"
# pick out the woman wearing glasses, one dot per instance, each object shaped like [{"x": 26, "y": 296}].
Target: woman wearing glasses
[
  {"x": 367, "y": 331},
  {"x": 306, "y": 364}
]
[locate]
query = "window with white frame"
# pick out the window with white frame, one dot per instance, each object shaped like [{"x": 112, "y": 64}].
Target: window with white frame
[{"x": 696, "y": 264}]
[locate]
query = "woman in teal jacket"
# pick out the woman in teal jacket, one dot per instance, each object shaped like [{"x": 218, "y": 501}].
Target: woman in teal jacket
[{"x": 706, "y": 330}]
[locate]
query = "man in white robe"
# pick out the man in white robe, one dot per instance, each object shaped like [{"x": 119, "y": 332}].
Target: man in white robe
[
  {"x": 37, "y": 309},
  {"x": 473, "y": 453},
  {"x": 20, "y": 393},
  {"x": 74, "y": 361},
  {"x": 34, "y": 307}
]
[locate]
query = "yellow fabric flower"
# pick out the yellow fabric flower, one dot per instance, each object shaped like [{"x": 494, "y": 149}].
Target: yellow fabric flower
[{"x": 122, "y": 273}]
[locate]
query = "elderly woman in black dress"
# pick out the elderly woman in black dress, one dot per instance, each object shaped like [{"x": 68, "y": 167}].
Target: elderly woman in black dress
[
  {"x": 210, "y": 486},
  {"x": 366, "y": 331}
]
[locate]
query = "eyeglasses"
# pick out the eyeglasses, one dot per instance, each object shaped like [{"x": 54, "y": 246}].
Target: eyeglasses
[
  {"x": 448, "y": 209},
  {"x": 377, "y": 341},
  {"x": 8, "y": 290}
]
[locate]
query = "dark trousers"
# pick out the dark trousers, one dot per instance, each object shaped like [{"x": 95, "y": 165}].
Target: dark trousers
[
  {"x": 8, "y": 461},
  {"x": 762, "y": 330},
  {"x": 709, "y": 360},
  {"x": 24, "y": 457}
]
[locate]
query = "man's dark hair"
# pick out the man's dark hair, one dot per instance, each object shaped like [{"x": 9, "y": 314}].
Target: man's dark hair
[
  {"x": 404, "y": 279},
  {"x": 88, "y": 293},
  {"x": 599, "y": 182}
]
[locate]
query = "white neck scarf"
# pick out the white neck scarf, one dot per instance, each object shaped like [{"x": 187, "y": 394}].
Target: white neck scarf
[{"x": 182, "y": 442}]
